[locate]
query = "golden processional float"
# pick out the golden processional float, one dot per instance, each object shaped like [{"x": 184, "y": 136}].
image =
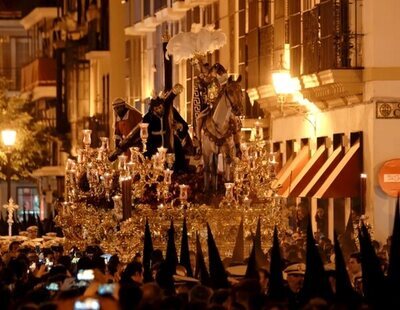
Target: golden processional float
[{"x": 108, "y": 203}]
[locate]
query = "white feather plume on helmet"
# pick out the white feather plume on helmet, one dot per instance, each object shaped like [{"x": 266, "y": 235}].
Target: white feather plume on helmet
[{"x": 187, "y": 45}]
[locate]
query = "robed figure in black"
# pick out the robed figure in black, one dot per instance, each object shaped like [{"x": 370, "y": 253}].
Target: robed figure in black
[{"x": 167, "y": 128}]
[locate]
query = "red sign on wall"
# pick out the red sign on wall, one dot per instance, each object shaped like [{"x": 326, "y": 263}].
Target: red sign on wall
[{"x": 389, "y": 177}]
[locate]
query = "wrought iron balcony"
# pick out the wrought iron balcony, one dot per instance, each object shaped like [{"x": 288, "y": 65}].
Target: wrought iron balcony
[{"x": 41, "y": 72}]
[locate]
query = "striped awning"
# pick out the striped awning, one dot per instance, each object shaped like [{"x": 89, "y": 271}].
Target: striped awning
[
  {"x": 344, "y": 180},
  {"x": 291, "y": 169},
  {"x": 318, "y": 179},
  {"x": 309, "y": 170}
]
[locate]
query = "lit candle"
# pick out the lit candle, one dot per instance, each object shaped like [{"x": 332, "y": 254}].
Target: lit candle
[
  {"x": 229, "y": 190},
  {"x": 144, "y": 135},
  {"x": 183, "y": 192},
  {"x": 162, "y": 151},
  {"x": 105, "y": 143},
  {"x": 245, "y": 150},
  {"x": 87, "y": 140},
  {"x": 170, "y": 158},
  {"x": 107, "y": 181},
  {"x": 122, "y": 162},
  {"x": 257, "y": 125},
  {"x": 117, "y": 205},
  {"x": 167, "y": 176}
]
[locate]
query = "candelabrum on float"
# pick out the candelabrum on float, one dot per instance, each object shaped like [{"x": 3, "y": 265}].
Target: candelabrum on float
[{"x": 254, "y": 173}]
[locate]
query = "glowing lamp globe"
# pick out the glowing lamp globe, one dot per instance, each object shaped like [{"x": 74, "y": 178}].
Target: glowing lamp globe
[
  {"x": 8, "y": 136},
  {"x": 282, "y": 82}
]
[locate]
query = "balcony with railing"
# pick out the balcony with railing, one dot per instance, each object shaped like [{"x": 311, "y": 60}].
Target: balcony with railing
[
  {"x": 320, "y": 46},
  {"x": 39, "y": 78}
]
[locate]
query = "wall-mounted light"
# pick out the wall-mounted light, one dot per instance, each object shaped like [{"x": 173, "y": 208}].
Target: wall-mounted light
[{"x": 282, "y": 82}]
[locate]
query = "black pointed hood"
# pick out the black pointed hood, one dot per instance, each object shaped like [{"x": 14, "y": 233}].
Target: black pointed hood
[
  {"x": 165, "y": 275},
  {"x": 260, "y": 256},
  {"x": 238, "y": 250},
  {"x": 344, "y": 290},
  {"x": 394, "y": 258},
  {"x": 252, "y": 268},
  {"x": 218, "y": 275},
  {"x": 276, "y": 283},
  {"x": 171, "y": 258},
  {"x": 374, "y": 282},
  {"x": 316, "y": 283},
  {"x": 185, "y": 254},
  {"x": 201, "y": 268},
  {"x": 147, "y": 251}
]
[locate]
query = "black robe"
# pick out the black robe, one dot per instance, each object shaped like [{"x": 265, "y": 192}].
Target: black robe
[{"x": 162, "y": 133}]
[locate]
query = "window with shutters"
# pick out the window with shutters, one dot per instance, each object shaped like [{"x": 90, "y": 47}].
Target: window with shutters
[
  {"x": 253, "y": 14},
  {"x": 159, "y": 5},
  {"x": 295, "y": 37},
  {"x": 242, "y": 42},
  {"x": 253, "y": 57},
  {"x": 266, "y": 53},
  {"x": 311, "y": 42},
  {"x": 196, "y": 15},
  {"x": 146, "y": 8},
  {"x": 137, "y": 11}
]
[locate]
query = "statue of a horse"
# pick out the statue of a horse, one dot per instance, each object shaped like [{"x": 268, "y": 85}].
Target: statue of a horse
[{"x": 221, "y": 132}]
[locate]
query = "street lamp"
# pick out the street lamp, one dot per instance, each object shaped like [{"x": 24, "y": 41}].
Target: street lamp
[
  {"x": 8, "y": 136},
  {"x": 283, "y": 83}
]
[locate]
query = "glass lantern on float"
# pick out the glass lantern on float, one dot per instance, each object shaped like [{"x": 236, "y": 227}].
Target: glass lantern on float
[{"x": 144, "y": 135}]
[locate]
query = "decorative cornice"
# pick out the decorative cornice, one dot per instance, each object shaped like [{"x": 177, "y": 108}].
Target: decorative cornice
[
  {"x": 193, "y": 3},
  {"x": 37, "y": 15},
  {"x": 144, "y": 27},
  {"x": 169, "y": 14},
  {"x": 94, "y": 55}
]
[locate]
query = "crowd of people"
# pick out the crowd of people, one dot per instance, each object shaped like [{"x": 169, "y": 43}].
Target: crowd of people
[{"x": 299, "y": 271}]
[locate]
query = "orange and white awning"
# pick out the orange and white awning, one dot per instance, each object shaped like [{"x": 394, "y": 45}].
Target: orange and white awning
[
  {"x": 344, "y": 180},
  {"x": 318, "y": 179},
  {"x": 309, "y": 170},
  {"x": 291, "y": 169}
]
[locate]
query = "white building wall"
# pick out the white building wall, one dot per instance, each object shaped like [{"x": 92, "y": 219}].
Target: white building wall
[
  {"x": 382, "y": 61},
  {"x": 381, "y": 50}
]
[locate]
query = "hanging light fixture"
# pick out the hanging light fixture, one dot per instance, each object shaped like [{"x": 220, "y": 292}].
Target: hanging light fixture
[{"x": 282, "y": 82}]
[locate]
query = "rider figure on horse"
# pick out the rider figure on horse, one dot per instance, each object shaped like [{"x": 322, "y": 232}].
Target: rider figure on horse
[{"x": 211, "y": 82}]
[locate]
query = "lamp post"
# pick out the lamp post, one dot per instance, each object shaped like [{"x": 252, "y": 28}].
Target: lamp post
[{"x": 8, "y": 136}]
